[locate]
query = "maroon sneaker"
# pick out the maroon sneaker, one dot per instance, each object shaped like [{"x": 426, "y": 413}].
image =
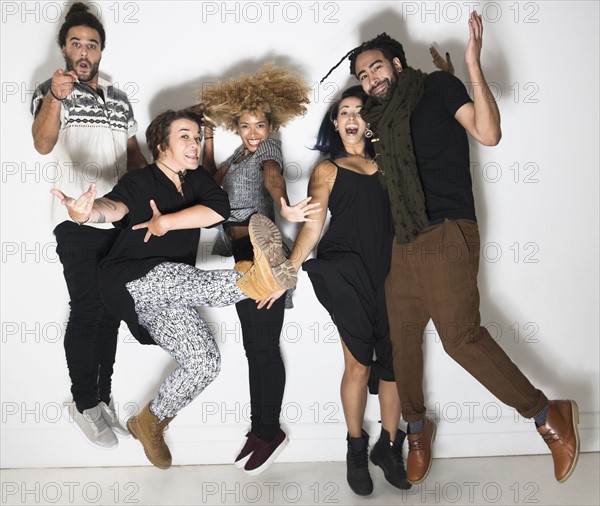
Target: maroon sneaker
[
  {"x": 265, "y": 452},
  {"x": 246, "y": 451}
]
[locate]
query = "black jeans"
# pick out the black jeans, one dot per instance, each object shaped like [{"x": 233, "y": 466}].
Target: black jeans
[
  {"x": 260, "y": 332},
  {"x": 91, "y": 334}
]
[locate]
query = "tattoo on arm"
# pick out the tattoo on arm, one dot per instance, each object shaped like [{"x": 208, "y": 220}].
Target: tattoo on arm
[{"x": 102, "y": 202}]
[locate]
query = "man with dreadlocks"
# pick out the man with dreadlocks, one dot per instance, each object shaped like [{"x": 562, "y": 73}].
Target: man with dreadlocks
[{"x": 421, "y": 122}]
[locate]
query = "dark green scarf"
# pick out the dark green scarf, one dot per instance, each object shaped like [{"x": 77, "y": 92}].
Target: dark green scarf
[{"x": 390, "y": 123}]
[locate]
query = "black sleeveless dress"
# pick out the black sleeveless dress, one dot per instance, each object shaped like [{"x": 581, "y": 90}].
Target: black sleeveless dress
[{"x": 353, "y": 260}]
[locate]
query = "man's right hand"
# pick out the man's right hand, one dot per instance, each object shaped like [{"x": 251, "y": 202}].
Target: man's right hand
[
  {"x": 79, "y": 210},
  {"x": 63, "y": 82}
]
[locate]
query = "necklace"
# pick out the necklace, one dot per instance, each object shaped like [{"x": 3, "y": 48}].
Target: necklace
[
  {"x": 371, "y": 161},
  {"x": 180, "y": 175}
]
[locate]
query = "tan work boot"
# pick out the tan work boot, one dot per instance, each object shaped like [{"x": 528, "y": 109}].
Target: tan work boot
[
  {"x": 146, "y": 428},
  {"x": 271, "y": 271},
  {"x": 243, "y": 266}
]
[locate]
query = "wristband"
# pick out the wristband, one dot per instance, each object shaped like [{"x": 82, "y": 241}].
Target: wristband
[{"x": 54, "y": 96}]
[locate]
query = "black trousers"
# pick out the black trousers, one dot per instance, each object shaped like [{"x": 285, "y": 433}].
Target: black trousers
[
  {"x": 261, "y": 329},
  {"x": 91, "y": 333}
]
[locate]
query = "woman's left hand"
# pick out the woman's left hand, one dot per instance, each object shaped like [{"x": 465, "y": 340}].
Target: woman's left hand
[
  {"x": 300, "y": 212},
  {"x": 439, "y": 62},
  {"x": 154, "y": 225},
  {"x": 270, "y": 300}
]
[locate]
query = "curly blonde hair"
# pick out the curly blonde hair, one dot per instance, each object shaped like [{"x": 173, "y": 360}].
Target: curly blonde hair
[{"x": 278, "y": 92}]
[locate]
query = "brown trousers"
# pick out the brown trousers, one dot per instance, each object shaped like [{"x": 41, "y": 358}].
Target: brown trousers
[{"x": 435, "y": 277}]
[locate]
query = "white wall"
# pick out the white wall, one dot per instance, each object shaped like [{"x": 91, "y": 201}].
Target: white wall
[{"x": 536, "y": 195}]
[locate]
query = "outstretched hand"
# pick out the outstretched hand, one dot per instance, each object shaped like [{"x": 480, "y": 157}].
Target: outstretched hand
[
  {"x": 79, "y": 210},
  {"x": 301, "y": 211},
  {"x": 439, "y": 62},
  {"x": 475, "y": 43},
  {"x": 154, "y": 225}
]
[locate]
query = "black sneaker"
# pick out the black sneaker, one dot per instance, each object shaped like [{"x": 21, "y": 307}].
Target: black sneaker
[
  {"x": 389, "y": 458},
  {"x": 357, "y": 464}
]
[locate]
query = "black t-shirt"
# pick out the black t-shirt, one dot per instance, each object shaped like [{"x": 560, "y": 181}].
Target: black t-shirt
[
  {"x": 130, "y": 257},
  {"x": 441, "y": 148}
]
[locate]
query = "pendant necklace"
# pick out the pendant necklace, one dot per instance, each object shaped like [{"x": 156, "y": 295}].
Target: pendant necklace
[{"x": 180, "y": 175}]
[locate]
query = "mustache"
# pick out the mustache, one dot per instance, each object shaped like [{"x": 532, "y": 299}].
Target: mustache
[{"x": 386, "y": 80}]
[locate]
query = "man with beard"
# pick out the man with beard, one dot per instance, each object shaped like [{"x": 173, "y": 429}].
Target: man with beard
[
  {"x": 421, "y": 124},
  {"x": 89, "y": 126}
]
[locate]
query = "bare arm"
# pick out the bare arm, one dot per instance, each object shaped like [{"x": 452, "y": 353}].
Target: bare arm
[
  {"x": 89, "y": 209},
  {"x": 192, "y": 217},
  {"x": 47, "y": 120},
  {"x": 275, "y": 185},
  {"x": 208, "y": 153},
  {"x": 135, "y": 158},
  {"x": 319, "y": 188},
  {"x": 482, "y": 117}
]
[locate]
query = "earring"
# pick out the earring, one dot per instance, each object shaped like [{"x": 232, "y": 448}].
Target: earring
[{"x": 368, "y": 131}]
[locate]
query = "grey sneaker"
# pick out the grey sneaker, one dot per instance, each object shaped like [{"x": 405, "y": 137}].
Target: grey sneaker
[
  {"x": 92, "y": 426},
  {"x": 112, "y": 420}
]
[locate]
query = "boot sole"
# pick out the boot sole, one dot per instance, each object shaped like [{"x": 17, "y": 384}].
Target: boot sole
[
  {"x": 132, "y": 430},
  {"x": 266, "y": 242},
  {"x": 422, "y": 479},
  {"x": 575, "y": 419},
  {"x": 388, "y": 474}
]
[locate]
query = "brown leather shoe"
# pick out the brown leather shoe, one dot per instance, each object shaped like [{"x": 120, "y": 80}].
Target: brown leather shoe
[
  {"x": 420, "y": 455},
  {"x": 149, "y": 431},
  {"x": 562, "y": 437}
]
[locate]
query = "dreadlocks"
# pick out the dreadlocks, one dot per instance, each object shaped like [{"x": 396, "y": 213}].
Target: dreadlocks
[{"x": 390, "y": 48}]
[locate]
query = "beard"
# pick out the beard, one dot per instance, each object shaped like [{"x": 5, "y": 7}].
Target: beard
[
  {"x": 84, "y": 78},
  {"x": 386, "y": 94}
]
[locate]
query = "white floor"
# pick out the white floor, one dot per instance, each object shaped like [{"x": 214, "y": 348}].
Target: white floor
[{"x": 475, "y": 481}]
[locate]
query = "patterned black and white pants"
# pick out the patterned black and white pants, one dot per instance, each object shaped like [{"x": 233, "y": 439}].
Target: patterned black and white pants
[{"x": 165, "y": 302}]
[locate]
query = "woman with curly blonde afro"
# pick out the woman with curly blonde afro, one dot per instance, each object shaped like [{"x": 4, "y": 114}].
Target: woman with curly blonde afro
[{"x": 253, "y": 106}]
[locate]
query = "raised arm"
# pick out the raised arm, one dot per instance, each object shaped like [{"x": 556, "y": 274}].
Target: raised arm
[
  {"x": 46, "y": 124},
  {"x": 208, "y": 153},
  {"x": 482, "y": 117},
  {"x": 135, "y": 158},
  {"x": 275, "y": 185},
  {"x": 445, "y": 65},
  {"x": 88, "y": 209}
]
